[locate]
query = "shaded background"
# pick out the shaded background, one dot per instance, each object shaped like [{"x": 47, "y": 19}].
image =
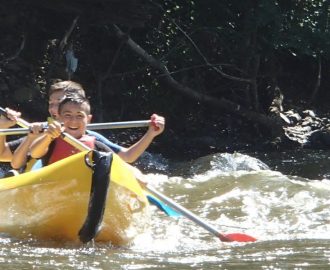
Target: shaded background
[{"x": 212, "y": 68}]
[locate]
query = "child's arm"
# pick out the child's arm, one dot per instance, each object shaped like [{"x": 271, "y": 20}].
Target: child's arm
[
  {"x": 40, "y": 146},
  {"x": 5, "y": 153},
  {"x": 20, "y": 155},
  {"x": 132, "y": 153}
]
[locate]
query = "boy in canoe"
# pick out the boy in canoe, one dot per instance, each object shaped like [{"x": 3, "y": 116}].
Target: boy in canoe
[
  {"x": 130, "y": 154},
  {"x": 56, "y": 92},
  {"x": 74, "y": 114}
]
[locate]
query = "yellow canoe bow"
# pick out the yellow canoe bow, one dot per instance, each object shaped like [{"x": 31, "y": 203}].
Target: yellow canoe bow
[{"x": 51, "y": 203}]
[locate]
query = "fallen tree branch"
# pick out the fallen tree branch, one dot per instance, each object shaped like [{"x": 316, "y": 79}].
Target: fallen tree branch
[{"x": 273, "y": 124}]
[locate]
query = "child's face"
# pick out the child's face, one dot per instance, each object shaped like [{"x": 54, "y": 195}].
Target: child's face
[
  {"x": 54, "y": 100},
  {"x": 74, "y": 119}
]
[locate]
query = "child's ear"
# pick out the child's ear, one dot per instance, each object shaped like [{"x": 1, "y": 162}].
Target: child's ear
[{"x": 89, "y": 118}]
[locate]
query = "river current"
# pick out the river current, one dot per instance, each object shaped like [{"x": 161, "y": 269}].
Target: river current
[{"x": 282, "y": 199}]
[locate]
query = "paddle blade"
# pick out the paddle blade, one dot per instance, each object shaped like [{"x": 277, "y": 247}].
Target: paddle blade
[
  {"x": 237, "y": 237},
  {"x": 163, "y": 206}
]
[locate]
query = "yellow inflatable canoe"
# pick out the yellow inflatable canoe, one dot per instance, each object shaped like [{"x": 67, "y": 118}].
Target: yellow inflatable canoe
[{"x": 52, "y": 203}]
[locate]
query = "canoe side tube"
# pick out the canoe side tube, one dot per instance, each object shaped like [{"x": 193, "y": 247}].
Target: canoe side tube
[{"x": 97, "y": 200}]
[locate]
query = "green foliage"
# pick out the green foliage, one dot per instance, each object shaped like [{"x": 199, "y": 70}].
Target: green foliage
[{"x": 261, "y": 41}]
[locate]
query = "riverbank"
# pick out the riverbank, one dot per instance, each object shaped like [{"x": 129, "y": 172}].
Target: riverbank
[{"x": 307, "y": 128}]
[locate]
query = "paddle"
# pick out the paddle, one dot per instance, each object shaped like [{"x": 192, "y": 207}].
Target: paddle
[
  {"x": 163, "y": 207},
  {"x": 232, "y": 237},
  {"x": 98, "y": 126}
]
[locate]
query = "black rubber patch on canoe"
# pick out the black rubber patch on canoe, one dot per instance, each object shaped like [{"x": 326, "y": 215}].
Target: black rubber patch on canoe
[{"x": 98, "y": 197}]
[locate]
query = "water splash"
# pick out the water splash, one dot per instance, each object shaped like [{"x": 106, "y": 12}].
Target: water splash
[
  {"x": 236, "y": 191},
  {"x": 289, "y": 216},
  {"x": 224, "y": 164}
]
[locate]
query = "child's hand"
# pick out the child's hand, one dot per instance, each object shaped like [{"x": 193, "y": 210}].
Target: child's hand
[
  {"x": 35, "y": 129},
  {"x": 54, "y": 130},
  {"x": 157, "y": 124},
  {"x": 10, "y": 119}
]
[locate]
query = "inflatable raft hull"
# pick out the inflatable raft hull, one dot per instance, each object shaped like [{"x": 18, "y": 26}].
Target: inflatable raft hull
[{"x": 52, "y": 203}]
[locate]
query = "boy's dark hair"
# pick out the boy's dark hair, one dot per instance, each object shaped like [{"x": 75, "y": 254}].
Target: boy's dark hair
[
  {"x": 67, "y": 87},
  {"x": 76, "y": 99}
]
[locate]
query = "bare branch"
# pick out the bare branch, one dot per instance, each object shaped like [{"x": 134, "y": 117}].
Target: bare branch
[
  {"x": 68, "y": 33},
  {"x": 11, "y": 58},
  {"x": 216, "y": 69},
  {"x": 195, "y": 67}
]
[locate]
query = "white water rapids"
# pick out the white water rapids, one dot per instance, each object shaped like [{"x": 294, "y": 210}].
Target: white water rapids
[{"x": 287, "y": 213}]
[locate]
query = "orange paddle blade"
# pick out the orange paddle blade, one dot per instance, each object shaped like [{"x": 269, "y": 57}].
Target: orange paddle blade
[{"x": 237, "y": 237}]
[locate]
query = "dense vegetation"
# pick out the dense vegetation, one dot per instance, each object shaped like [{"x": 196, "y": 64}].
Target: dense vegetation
[{"x": 213, "y": 68}]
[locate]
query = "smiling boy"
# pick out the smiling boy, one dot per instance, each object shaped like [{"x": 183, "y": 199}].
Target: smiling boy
[
  {"x": 74, "y": 114},
  {"x": 129, "y": 154}
]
